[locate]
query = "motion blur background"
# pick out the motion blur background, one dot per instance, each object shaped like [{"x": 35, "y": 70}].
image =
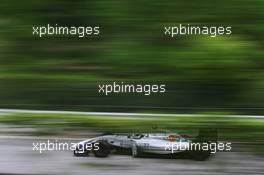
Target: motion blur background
[
  {"x": 201, "y": 73},
  {"x": 204, "y": 75}
]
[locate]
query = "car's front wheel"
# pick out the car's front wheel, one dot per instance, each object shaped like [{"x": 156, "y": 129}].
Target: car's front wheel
[
  {"x": 104, "y": 149},
  {"x": 78, "y": 153}
]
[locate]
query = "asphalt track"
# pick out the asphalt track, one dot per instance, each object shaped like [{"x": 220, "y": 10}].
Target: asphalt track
[{"x": 17, "y": 157}]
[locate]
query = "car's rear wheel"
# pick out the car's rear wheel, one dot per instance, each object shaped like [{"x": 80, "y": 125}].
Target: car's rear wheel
[
  {"x": 201, "y": 155},
  {"x": 206, "y": 136}
]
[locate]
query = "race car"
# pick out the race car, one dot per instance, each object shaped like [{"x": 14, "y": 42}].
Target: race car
[{"x": 138, "y": 145}]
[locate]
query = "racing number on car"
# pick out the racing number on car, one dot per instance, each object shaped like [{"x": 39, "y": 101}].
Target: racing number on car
[{"x": 146, "y": 144}]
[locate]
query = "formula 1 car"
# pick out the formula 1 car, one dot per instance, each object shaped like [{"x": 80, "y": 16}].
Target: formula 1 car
[{"x": 138, "y": 145}]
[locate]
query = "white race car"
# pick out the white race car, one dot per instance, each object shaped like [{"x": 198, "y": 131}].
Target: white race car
[{"x": 137, "y": 145}]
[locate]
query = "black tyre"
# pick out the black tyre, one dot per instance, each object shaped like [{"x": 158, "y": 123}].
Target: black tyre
[
  {"x": 206, "y": 136},
  {"x": 201, "y": 155},
  {"x": 78, "y": 153},
  {"x": 104, "y": 149}
]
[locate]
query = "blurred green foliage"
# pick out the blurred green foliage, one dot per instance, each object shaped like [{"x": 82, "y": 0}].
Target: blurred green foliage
[
  {"x": 236, "y": 128},
  {"x": 201, "y": 73}
]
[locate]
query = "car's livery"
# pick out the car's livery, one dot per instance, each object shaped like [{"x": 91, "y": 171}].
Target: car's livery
[{"x": 140, "y": 144}]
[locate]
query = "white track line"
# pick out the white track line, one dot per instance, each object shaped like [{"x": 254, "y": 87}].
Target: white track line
[{"x": 124, "y": 114}]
